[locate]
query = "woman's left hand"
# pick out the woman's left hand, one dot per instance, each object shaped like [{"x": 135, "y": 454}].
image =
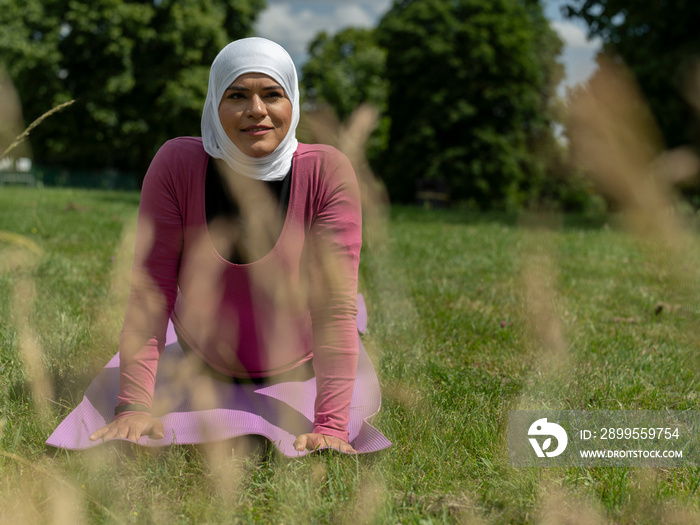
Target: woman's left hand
[{"x": 316, "y": 441}]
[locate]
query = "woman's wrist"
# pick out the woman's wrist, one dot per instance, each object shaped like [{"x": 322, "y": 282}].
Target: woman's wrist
[
  {"x": 340, "y": 434},
  {"x": 120, "y": 409}
]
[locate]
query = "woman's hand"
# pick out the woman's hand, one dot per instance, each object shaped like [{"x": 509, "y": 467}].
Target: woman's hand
[
  {"x": 315, "y": 441},
  {"x": 131, "y": 428}
]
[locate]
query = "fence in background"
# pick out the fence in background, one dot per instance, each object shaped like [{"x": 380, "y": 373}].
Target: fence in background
[{"x": 22, "y": 172}]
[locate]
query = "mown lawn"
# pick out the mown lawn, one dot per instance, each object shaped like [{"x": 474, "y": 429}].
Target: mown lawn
[{"x": 470, "y": 316}]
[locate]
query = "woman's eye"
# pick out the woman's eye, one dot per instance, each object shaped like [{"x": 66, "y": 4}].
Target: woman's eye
[
  {"x": 275, "y": 94},
  {"x": 235, "y": 95}
]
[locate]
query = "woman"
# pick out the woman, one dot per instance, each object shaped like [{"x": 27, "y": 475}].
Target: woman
[{"x": 249, "y": 242}]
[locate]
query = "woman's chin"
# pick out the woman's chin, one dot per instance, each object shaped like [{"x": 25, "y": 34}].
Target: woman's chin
[
  {"x": 256, "y": 150},
  {"x": 258, "y": 153}
]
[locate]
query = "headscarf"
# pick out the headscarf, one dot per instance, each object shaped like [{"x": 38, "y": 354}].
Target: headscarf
[{"x": 250, "y": 55}]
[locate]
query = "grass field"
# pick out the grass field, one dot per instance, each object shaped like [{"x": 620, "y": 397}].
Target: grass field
[{"x": 470, "y": 316}]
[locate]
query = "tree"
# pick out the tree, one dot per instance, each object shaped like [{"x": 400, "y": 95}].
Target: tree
[
  {"x": 470, "y": 97},
  {"x": 138, "y": 71},
  {"x": 345, "y": 70},
  {"x": 659, "y": 43}
]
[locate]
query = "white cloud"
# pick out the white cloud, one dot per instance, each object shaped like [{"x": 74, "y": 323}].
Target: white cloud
[
  {"x": 579, "y": 64},
  {"x": 377, "y": 7},
  {"x": 291, "y": 30},
  {"x": 574, "y": 35},
  {"x": 294, "y": 24},
  {"x": 578, "y": 55},
  {"x": 352, "y": 15}
]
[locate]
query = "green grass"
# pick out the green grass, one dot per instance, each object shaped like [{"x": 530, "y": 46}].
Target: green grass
[{"x": 455, "y": 300}]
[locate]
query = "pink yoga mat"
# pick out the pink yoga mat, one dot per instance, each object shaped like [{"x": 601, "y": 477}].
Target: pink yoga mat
[{"x": 278, "y": 411}]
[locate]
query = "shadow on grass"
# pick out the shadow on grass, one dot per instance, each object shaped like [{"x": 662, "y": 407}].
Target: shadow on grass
[
  {"x": 572, "y": 221},
  {"x": 120, "y": 197},
  {"x": 252, "y": 448}
]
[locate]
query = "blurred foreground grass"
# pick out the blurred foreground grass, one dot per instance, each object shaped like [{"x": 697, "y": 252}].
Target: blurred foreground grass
[{"x": 469, "y": 316}]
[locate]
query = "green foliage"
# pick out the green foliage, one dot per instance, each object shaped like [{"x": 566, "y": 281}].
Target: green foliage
[
  {"x": 659, "y": 44},
  {"x": 345, "y": 70},
  {"x": 470, "y": 98},
  {"x": 138, "y": 71}
]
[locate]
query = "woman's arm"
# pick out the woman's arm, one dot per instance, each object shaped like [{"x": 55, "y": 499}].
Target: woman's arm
[
  {"x": 335, "y": 242},
  {"x": 153, "y": 290}
]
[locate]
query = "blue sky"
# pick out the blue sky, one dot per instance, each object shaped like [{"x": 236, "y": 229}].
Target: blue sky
[{"x": 293, "y": 23}]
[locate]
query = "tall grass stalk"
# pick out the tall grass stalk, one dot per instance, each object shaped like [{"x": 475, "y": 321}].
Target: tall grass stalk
[{"x": 23, "y": 136}]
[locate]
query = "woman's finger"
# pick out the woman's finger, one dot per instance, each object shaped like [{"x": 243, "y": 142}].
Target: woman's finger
[
  {"x": 99, "y": 433},
  {"x": 315, "y": 441},
  {"x": 123, "y": 431},
  {"x": 346, "y": 447},
  {"x": 300, "y": 442},
  {"x": 155, "y": 430},
  {"x": 111, "y": 431},
  {"x": 134, "y": 433},
  {"x": 336, "y": 443}
]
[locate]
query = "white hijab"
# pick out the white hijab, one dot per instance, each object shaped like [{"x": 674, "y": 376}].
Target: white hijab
[{"x": 250, "y": 55}]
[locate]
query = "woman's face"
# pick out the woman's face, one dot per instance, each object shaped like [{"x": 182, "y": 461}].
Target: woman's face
[{"x": 255, "y": 113}]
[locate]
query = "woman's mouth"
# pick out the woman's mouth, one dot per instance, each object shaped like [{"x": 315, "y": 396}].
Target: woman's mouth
[{"x": 256, "y": 130}]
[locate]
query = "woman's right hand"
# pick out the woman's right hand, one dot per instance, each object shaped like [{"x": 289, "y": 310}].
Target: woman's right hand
[{"x": 131, "y": 428}]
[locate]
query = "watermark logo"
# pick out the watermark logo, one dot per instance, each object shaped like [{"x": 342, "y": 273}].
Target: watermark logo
[
  {"x": 542, "y": 427},
  {"x": 603, "y": 438}
]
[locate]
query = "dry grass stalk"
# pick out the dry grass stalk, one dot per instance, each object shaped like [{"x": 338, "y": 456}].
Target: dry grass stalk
[
  {"x": 539, "y": 281},
  {"x": 539, "y": 285},
  {"x": 351, "y": 139},
  {"x": 20, "y": 241},
  {"x": 36, "y": 487},
  {"x": 110, "y": 315},
  {"x": 23, "y": 136},
  {"x": 615, "y": 139},
  {"x": 543, "y": 321},
  {"x": 561, "y": 508},
  {"x": 365, "y": 505},
  {"x": 20, "y": 260}
]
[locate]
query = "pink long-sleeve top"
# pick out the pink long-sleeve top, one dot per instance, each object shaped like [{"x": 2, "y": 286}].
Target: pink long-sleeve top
[{"x": 294, "y": 304}]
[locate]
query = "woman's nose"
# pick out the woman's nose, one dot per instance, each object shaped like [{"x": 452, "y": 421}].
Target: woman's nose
[{"x": 256, "y": 107}]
